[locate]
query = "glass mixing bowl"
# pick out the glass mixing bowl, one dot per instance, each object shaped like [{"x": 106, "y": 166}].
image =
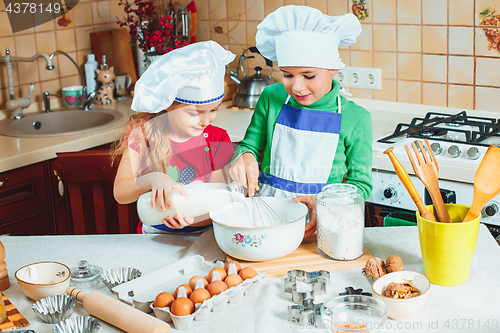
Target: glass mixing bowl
[{"x": 353, "y": 313}]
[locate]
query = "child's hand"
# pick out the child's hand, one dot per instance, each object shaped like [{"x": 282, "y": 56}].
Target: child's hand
[
  {"x": 310, "y": 202},
  {"x": 246, "y": 171},
  {"x": 178, "y": 222},
  {"x": 161, "y": 187}
]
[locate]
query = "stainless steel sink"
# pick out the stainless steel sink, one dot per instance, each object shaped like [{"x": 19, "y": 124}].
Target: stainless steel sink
[{"x": 60, "y": 122}]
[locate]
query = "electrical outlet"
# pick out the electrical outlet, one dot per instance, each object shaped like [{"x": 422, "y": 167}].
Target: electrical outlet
[
  {"x": 372, "y": 78},
  {"x": 355, "y": 77},
  {"x": 341, "y": 77},
  {"x": 360, "y": 77}
]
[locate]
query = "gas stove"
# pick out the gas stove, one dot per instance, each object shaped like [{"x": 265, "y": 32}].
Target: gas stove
[
  {"x": 458, "y": 137},
  {"x": 458, "y": 141}
]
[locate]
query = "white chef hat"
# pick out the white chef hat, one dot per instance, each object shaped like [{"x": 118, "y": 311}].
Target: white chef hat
[
  {"x": 193, "y": 74},
  {"x": 304, "y": 36}
]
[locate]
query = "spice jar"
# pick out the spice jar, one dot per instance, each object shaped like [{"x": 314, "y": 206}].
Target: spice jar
[
  {"x": 85, "y": 276},
  {"x": 340, "y": 222}
]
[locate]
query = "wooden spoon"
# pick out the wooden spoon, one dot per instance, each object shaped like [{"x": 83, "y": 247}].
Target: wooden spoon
[
  {"x": 486, "y": 182},
  {"x": 405, "y": 179}
]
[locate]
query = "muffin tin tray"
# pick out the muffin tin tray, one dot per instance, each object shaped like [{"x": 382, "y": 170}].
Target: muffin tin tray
[{"x": 142, "y": 291}]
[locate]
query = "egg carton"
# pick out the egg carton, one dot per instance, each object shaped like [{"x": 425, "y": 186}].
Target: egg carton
[{"x": 142, "y": 291}]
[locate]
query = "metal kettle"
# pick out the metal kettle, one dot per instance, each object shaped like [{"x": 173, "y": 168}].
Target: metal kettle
[{"x": 250, "y": 87}]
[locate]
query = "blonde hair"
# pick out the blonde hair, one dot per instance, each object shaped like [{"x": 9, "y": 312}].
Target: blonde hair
[{"x": 147, "y": 133}]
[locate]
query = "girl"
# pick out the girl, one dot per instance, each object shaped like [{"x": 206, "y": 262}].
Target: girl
[
  {"x": 170, "y": 141},
  {"x": 309, "y": 135}
]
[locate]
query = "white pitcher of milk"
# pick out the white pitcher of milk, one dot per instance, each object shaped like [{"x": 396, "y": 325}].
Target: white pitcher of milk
[{"x": 200, "y": 198}]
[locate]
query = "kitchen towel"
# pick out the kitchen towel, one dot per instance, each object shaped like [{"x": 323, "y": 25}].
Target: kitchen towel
[{"x": 400, "y": 219}]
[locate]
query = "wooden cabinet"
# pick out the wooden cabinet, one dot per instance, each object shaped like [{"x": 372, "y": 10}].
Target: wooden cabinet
[
  {"x": 59, "y": 198},
  {"x": 89, "y": 176},
  {"x": 36, "y": 199},
  {"x": 38, "y": 224},
  {"x": 25, "y": 207}
]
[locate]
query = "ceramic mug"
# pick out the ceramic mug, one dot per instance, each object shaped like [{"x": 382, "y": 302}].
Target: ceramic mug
[
  {"x": 122, "y": 83},
  {"x": 72, "y": 96}
]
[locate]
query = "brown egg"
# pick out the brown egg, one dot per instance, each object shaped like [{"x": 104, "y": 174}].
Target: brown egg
[
  {"x": 186, "y": 287},
  {"x": 222, "y": 274},
  {"x": 237, "y": 264},
  {"x": 233, "y": 280},
  {"x": 192, "y": 281},
  {"x": 163, "y": 299},
  {"x": 216, "y": 287},
  {"x": 199, "y": 295},
  {"x": 247, "y": 273},
  {"x": 182, "y": 306}
]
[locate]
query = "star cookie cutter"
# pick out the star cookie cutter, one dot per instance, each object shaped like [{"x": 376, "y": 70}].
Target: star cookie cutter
[{"x": 318, "y": 282}]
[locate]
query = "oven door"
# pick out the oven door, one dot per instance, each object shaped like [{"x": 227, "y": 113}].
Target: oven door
[{"x": 390, "y": 198}]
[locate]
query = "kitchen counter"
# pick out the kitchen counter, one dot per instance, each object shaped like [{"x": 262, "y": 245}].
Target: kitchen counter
[{"x": 464, "y": 308}]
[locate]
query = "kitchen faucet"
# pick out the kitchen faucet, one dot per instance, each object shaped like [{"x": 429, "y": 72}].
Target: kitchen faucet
[
  {"x": 16, "y": 105},
  {"x": 87, "y": 98}
]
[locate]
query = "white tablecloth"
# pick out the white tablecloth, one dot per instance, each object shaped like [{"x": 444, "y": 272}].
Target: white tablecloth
[{"x": 464, "y": 308}]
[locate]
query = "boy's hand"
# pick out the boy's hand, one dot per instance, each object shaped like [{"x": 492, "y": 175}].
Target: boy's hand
[
  {"x": 310, "y": 202},
  {"x": 246, "y": 171}
]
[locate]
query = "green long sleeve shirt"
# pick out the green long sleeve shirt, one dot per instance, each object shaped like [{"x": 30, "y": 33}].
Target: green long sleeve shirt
[{"x": 353, "y": 158}]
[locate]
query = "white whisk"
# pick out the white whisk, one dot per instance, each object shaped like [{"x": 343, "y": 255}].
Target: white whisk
[
  {"x": 263, "y": 215},
  {"x": 260, "y": 212}
]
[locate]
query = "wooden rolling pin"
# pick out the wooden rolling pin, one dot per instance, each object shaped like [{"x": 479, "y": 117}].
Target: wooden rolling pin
[
  {"x": 405, "y": 179},
  {"x": 118, "y": 313}
]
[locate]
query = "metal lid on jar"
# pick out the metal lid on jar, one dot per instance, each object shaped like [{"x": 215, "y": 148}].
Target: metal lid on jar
[
  {"x": 340, "y": 193},
  {"x": 85, "y": 276}
]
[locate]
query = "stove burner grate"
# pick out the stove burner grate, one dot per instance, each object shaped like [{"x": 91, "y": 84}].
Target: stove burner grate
[
  {"x": 447, "y": 127},
  {"x": 426, "y": 132}
]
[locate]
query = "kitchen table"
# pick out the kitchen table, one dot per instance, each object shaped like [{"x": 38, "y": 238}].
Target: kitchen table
[{"x": 464, "y": 308}]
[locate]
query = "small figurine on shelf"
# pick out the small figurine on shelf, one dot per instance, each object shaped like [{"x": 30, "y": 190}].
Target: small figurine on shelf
[{"x": 104, "y": 94}]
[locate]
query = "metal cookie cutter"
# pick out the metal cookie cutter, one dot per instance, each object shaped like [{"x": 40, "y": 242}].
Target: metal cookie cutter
[
  {"x": 318, "y": 282},
  {"x": 309, "y": 313}
]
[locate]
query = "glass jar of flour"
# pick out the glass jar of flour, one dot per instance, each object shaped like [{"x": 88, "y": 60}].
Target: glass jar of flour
[{"x": 341, "y": 220}]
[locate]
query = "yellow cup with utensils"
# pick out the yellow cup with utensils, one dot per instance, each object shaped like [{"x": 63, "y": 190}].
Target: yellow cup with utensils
[{"x": 448, "y": 248}]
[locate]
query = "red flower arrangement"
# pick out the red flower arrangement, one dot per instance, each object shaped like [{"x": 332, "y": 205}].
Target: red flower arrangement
[{"x": 152, "y": 28}]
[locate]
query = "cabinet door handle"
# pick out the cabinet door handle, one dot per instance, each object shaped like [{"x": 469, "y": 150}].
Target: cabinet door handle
[
  {"x": 4, "y": 181},
  {"x": 60, "y": 184}
]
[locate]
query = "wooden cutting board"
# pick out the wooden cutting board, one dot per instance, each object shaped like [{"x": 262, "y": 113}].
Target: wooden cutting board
[
  {"x": 14, "y": 319},
  {"x": 115, "y": 45},
  {"x": 306, "y": 258}
]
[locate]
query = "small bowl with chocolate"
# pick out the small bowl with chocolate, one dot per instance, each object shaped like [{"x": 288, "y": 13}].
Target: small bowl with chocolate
[{"x": 404, "y": 293}]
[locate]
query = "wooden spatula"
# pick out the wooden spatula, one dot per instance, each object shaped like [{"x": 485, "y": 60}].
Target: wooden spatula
[
  {"x": 405, "y": 179},
  {"x": 486, "y": 182}
]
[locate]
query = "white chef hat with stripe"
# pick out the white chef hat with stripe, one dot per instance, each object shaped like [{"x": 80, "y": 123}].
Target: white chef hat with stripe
[
  {"x": 193, "y": 74},
  {"x": 305, "y": 37}
]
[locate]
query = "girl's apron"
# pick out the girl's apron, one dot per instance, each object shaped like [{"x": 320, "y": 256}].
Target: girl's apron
[{"x": 302, "y": 151}]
